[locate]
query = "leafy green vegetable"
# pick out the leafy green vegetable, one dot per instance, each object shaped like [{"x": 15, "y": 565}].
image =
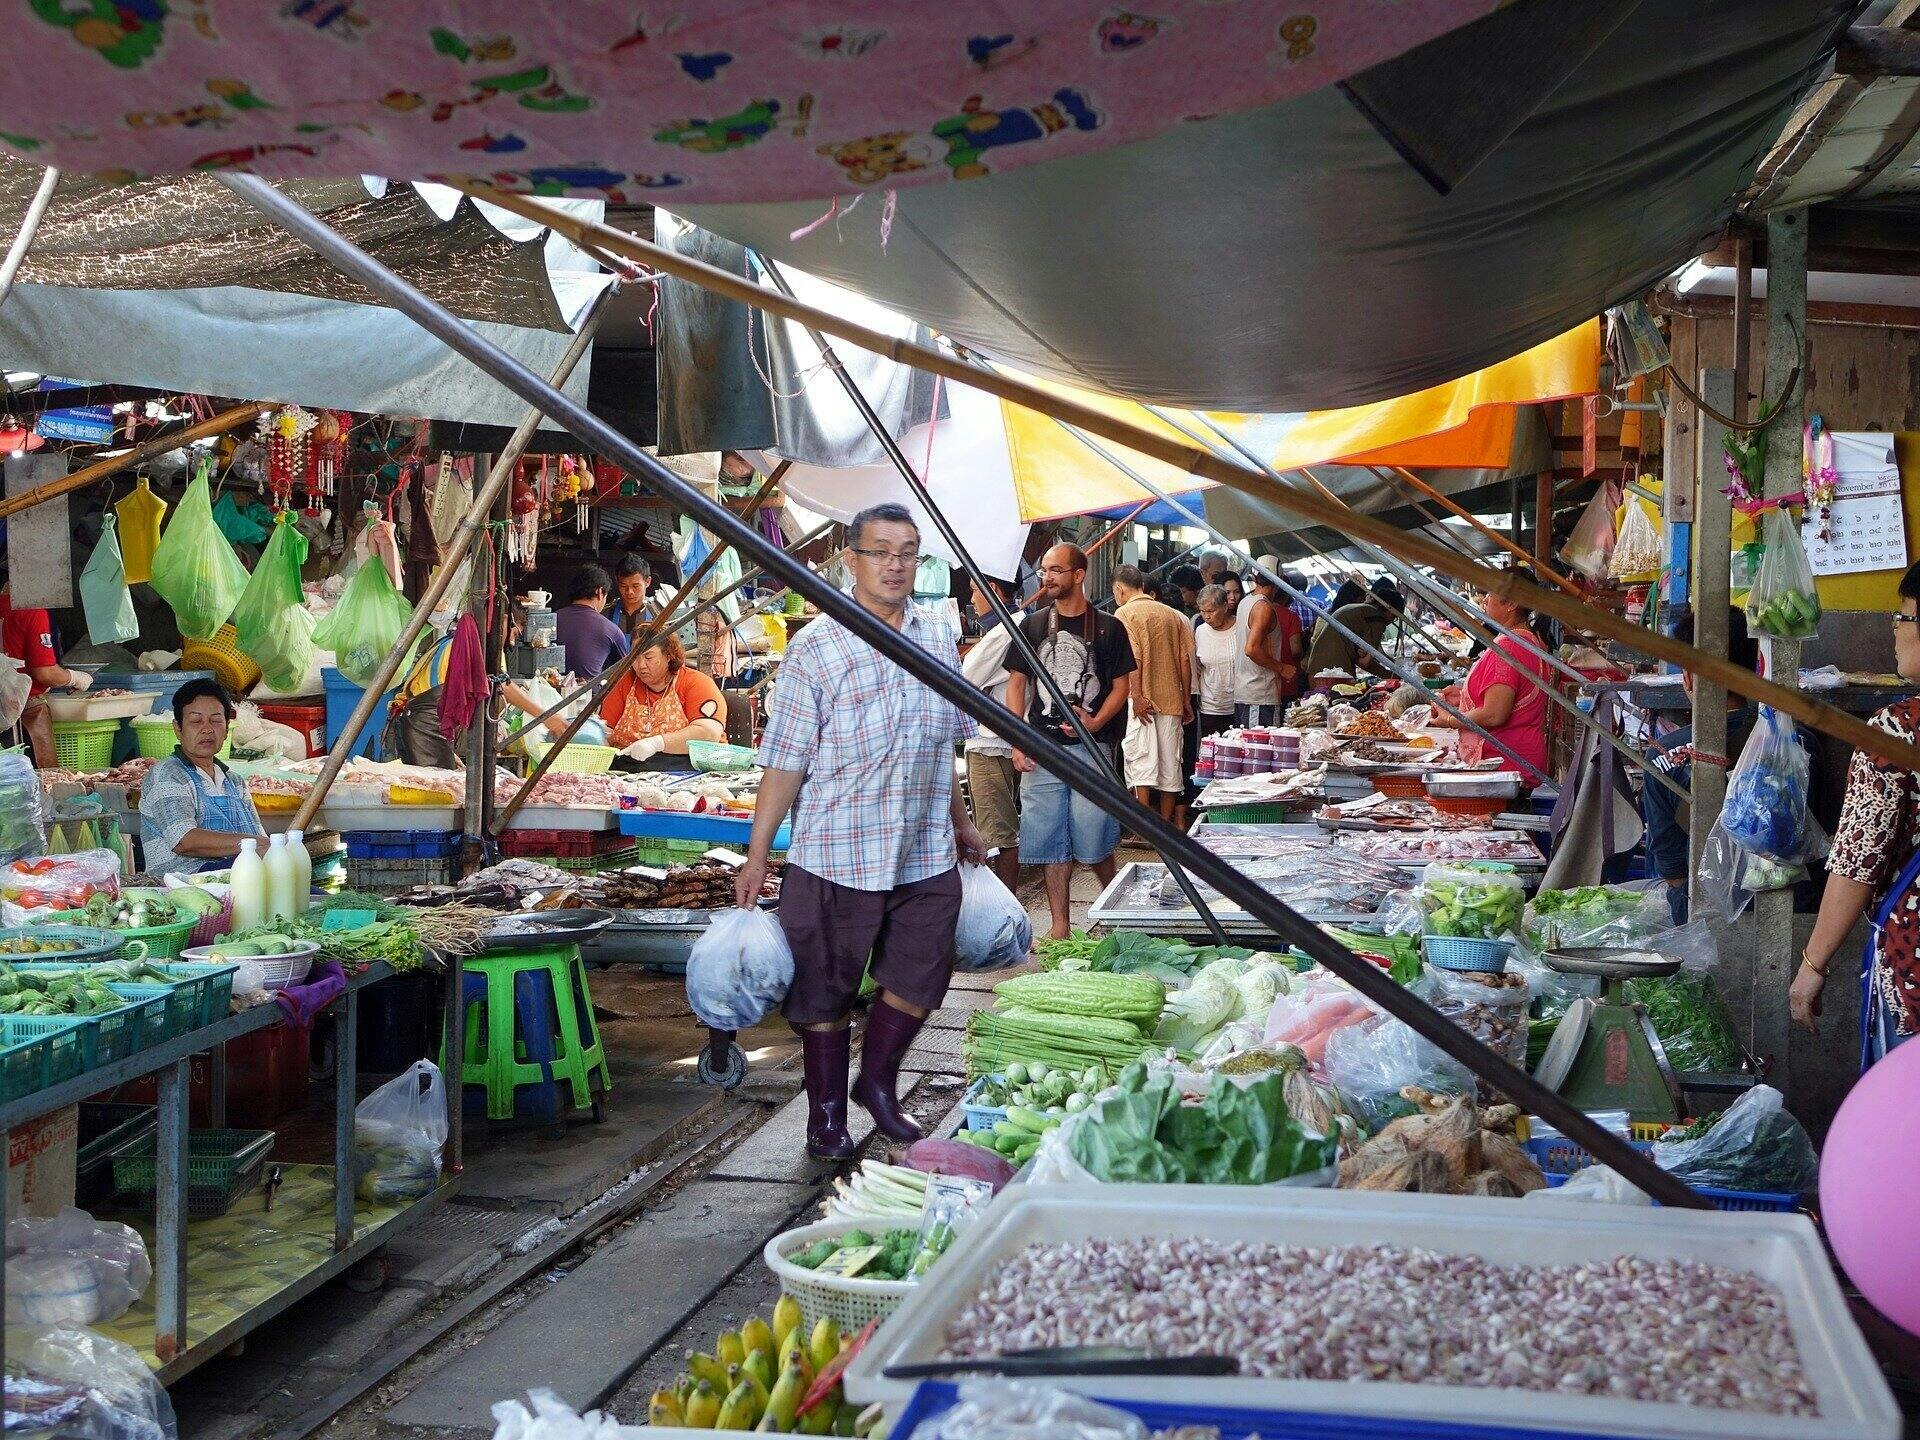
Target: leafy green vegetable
[
  {"x": 1688, "y": 1021},
  {"x": 1235, "y": 1136}
]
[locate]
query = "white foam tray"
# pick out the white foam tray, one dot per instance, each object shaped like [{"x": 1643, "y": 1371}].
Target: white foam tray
[
  {"x": 1784, "y": 1250},
  {"x": 99, "y": 707},
  {"x": 560, "y": 817}
]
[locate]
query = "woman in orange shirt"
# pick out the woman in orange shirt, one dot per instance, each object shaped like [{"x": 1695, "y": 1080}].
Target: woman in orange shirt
[{"x": 661, "y": 704}]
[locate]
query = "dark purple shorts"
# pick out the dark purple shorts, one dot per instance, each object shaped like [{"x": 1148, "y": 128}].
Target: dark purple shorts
[{"x": 833, "y": 929}]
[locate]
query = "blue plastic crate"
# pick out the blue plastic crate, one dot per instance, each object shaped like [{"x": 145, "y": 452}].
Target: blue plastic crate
[
  {"x": 1559, "y": 1157},
  {"x": 716, "y": 829},
  {"x": 401, "y": 844},
  {"x": 981, "y": 1117},
  {"x": 932, "y": 1398}
]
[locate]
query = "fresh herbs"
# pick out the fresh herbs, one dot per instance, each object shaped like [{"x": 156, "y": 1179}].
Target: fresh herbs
[{"x": 1687, "y": 1018}]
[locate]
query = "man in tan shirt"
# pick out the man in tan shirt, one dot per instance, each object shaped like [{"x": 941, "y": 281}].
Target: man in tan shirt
[{"x": 1162, "y": 699}]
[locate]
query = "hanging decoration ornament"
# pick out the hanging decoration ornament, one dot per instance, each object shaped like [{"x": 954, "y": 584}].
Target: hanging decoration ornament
[
  {"x": 329, "y": 447},
  {"x": 1822, "y": 480},
  {"x": 523, "y": 528},
  {"x": 287, "y": 434}
]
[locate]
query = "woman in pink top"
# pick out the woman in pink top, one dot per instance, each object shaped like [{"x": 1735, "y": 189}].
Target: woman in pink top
[{"x": 1497, "y": 697}]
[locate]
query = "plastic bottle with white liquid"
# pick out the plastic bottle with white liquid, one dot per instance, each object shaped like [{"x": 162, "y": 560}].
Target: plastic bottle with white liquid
[
  {"x": 249, "y": 886},
  {"x": 302, "y": 871},
  {"x": 280, "y": 869}
]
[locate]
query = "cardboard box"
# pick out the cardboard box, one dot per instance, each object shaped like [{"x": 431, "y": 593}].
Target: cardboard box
[{"x": 41, "y": 1155}]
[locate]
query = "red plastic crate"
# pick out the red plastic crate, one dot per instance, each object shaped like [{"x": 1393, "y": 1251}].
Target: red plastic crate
[
  {"x": 309, "y": 720},
  {"x": 562, "y": 844},
  {"x": 266, "y": 1079}
]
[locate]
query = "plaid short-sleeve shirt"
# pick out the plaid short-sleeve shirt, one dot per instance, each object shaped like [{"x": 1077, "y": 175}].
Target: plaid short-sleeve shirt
[{"x": 874, "y": 811}]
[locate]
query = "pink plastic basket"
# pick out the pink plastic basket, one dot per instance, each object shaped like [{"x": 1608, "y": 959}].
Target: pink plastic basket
[{"x": 212, "y": 926}]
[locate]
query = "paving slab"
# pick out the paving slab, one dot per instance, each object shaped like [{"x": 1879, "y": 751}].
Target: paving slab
[
  {"x": 643, "y": 1119},
  {"x": 936, "y": 1052},
  {"x": 582, "y": 1334}
]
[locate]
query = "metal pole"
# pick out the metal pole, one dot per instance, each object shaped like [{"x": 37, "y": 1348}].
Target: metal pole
[
  {"x": 29, "y": 227},
  {"x": 1509, "y": 584},
  {"x": 1503, "y": 541},
  {"x": 462, "y": 540},
  {"x": 1372, "y": 983},
  {"x": 609, "y": 677},
  {"x": 1015, "y": 635}
]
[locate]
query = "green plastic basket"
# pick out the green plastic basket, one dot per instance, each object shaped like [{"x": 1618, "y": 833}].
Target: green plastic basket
[
  {"x": 85, "y": 745},
  {"x": 720, "y": 759},
  {"x": 163, "y": 942},
  {"x": 576, "y": 759},
  {"x": 222, "y": 1165},
  {"x": 1270, "y": 812},
  {"x": 156, "y": 737},
  {"x": 23, "y": 1067}
]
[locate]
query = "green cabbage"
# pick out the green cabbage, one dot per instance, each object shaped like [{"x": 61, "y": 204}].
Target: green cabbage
[{"x": 1195, "y": 1013}]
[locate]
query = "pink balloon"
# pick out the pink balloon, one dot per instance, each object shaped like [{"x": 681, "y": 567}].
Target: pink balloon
[{"x": 1869, "y": 1174}]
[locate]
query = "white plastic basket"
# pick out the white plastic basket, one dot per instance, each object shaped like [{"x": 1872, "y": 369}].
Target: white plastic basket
[
  {"x": 1468, "y": 785},
  {"x": 850, "y": 1304},
  {"x": 277, "y": 972}
]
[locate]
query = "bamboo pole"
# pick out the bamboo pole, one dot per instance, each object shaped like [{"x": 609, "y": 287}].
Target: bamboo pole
[
  {"x": 1505, "y": 542},
  {"x": 1197, "y": 460},
  {"x": 457, "y": 547},
  {"x": 607, "y": 678},
  {"x": 144, "y": 451},
  {"x": 29, "y": 227}
]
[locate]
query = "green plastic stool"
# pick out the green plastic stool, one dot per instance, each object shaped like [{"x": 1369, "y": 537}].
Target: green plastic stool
[{"x": 502, "y": 1058}]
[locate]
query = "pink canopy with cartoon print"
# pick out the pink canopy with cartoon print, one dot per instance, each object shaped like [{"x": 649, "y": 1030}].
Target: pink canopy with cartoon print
[{"x": 728, "y": 100}]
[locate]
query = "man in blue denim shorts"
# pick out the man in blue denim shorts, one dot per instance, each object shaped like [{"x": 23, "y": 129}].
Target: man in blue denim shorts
[{"x": 1091, "y": 659}]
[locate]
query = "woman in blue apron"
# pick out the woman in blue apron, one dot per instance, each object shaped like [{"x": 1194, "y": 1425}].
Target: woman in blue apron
[
  {"x": 1874, "y": 869},
  {"x": 194, "y": 811}
]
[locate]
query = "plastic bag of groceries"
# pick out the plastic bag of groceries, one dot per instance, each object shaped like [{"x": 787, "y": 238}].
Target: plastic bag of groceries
[
  {"x": 995, "y": 930},
  {"x": 194, "y": 569},
  {"x": 271, "y": 617},
  {"x": 1765, "y": 811},
  {"x": 365, "y": 624},
  {"x": 1782, "y": 601},
  {"x": 739, "y": 969},
  {"x": 398, "y": 1132},
  {"x": 77, "y": 1385},
  {"x": 70, "y": 1269}
]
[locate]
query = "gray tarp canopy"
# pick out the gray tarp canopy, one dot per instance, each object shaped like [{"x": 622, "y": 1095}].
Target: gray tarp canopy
[
  {"x": 179, "y": 285},
  {"x": 1287, "y": 259}
]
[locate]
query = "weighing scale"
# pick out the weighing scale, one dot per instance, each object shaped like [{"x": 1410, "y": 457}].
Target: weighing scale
[
  {"x": 1605, "y": 1054},
  {"x": 536, "y": 650}
]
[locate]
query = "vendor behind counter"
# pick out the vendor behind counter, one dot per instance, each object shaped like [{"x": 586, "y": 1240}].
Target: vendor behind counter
[
  {"x": 194, "y": 811},
  {"x": 661, "y": 705}
]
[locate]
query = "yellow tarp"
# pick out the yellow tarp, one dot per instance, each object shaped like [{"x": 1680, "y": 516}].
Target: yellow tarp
[{"x": 1465, "y": 423}]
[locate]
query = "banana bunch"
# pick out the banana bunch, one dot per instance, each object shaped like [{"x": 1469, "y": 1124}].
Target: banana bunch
[{"x": 756, "y": 1378}]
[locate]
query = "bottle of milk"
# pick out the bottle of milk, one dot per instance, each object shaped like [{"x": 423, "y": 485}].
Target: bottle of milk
[{"x": 249, "y": 884}]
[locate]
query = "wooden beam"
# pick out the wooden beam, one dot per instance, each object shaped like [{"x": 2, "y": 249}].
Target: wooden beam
[
  {"x": 146, "y": 450},
  {"x": 1873, "y": 52},
  {"x": 1189, "y": 458}
]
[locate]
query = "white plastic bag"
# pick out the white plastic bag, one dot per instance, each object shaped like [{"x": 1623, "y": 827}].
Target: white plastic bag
[
  {"x": 1783, "y": 601},
  {"x": 1754, "y": 1146},
  {"x": 739, "y": 970},
  {"x": 995, "y": 930},
  {"x": 1591, "y": 545},
  {"x": 1765, "y": 811},
  {"x": 551, "y": 1418},
  {"x": 1028, "y": 1410},
  {"x": 1637, "y": 558},
  {"x": 16, "y": 688},
  {"x": 70, "y": 1269},
  {"x": 1599, "y": 1183},
  {"x": 398, "y": 1132},
  {"x": 72, "y": 1384}
]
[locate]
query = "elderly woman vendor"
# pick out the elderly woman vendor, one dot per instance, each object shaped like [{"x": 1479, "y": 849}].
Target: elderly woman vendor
[
  {"x": 661, "y": 704},
  {"x": 194, "y": 811}
]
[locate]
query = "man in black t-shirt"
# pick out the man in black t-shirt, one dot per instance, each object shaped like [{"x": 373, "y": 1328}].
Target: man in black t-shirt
[{"x": 1089, "y": 656}]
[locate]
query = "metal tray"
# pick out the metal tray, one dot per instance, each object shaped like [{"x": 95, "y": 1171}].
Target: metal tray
[
  {"x": 547, "y": 927},
  {"x": 1178, "y": 920}
]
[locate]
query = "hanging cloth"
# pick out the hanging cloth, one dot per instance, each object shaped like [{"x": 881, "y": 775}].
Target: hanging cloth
[
  {"x": 465, "y": 687},
  {"x": 452, "y": 499},
  {"x": 104, "y": 596},
  {"x": 140, "y": 515}
]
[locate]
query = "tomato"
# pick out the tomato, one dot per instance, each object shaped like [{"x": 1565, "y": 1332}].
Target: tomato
[
  {"x": 85, "y": 893},
  {"x": 31, "y": 899}
]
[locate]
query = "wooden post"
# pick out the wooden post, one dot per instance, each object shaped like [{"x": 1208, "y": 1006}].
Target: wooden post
[
  {"x": 1543, "y": 518},
  {"x": 1712, "y": 522},
  {"x": 1774, "y": 952}
]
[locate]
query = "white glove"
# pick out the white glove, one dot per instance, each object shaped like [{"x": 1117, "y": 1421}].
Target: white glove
[
  {"x": 645, "y": 749},
  {"x": 80, "y": 681}
]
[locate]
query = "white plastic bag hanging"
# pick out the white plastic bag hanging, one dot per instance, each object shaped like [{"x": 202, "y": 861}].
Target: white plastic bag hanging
[
  {"x": 995, "y": 930},
  {"x": 398, "y": 1132},
  {"x": 104, "y": 596},
  {"x": 16, "y": 688},
  {"x": 739, "y": 970},
  {"x": 1636, "y": 555},
  {"x": 1590, "y": 546},
  {"x": 1783, "y": 601}
]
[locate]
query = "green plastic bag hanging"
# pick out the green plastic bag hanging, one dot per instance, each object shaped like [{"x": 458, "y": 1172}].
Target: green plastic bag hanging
[
  {"x": 242, "y": 527},
  {"x": 194, "y": 569},
  {"x": 104, "y": 596},
  {"x": 275, "y": 627},
  {"x": 366, "y": 624}
]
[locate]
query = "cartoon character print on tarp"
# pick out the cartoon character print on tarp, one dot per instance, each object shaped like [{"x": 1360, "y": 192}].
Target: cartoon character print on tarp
[
  {"x": 337, "y": 19},
  {"x": 126, "y": 33},
  {"x": 1125, "y": 31},
  {"x": 753, "y": 122},
  {"x": 617, "y": 186},
  {"x": 235, "y": 94},
  {"x": 537, "y": 86},
  {"x": 968, "y": 137}
]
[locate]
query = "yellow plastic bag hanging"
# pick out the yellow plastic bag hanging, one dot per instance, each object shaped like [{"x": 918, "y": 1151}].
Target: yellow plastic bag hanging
[{"x": 139, "y": 515}]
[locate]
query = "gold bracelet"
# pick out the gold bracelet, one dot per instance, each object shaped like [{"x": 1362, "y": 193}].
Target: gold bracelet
[{"x": 1820, "y": 970}]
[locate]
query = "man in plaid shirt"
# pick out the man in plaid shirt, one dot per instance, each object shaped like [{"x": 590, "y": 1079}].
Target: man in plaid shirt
[{"x": 862, "y": 754}]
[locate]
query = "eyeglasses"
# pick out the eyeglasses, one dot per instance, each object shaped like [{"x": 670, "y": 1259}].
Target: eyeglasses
[
  {"x": 906, "y": 559},
  {"x": 1906, "y": 619}
]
